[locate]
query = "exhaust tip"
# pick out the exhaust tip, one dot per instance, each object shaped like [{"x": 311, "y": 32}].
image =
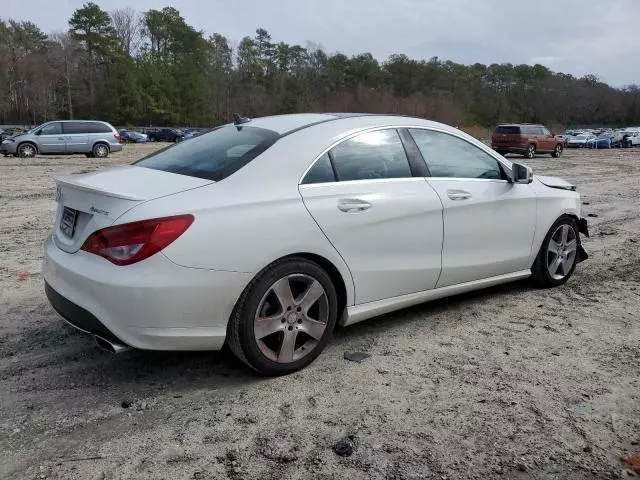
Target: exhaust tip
[{"x": 109, "y": 346}]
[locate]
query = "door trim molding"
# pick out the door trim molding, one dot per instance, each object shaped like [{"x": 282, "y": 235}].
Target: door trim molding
[{"x": 365, "y": 311}]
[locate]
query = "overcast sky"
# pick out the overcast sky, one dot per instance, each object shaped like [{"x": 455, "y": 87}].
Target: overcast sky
[{"x": 570, "y": 36}]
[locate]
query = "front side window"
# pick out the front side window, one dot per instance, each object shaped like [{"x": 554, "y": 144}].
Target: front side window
[
  {"x": 212, "y": 156},
  {"x": 450, "y": 156},
  {"x": 52, "y": 129},
  {"x": 371, "y": 155},
  {"x": 545, "y": 131}
]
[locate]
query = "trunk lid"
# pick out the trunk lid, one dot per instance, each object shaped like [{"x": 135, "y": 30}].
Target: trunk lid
[{"x": 92, "y": 201}]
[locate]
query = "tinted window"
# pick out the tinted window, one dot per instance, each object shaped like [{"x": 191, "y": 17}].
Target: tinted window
[
  {"x": 213, "y": 156},
  {"x": 97, "y": 127},
  {"x": 52, "y": 129},
  {"x": 449, "y": 156},
  {"x": 507, "y": 129},
  {"x": 371, "y": 155},
  {"x": 321, "y": 172},
  {"x": 75, "y": 127},
  {"x": 545, "y": 131}
]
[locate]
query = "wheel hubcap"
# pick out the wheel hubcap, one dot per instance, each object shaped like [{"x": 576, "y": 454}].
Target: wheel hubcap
[
  {"x": 28, "y": 151},
  {"x": 291, "y": 318},
  {"x": 100, "y": 151},
  {"x": 561, "y": 253}
]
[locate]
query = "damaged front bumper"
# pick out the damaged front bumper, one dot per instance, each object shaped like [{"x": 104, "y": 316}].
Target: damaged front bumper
[{"x": 584, "y": 229}]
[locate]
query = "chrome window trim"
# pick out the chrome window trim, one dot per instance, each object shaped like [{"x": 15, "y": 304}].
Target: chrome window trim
[
  {"x": 501, "y": 160},
  {"x": 306, "y": 186}
]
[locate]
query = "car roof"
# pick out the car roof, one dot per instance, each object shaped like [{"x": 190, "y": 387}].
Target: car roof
[{"x": 291, "y": 123}]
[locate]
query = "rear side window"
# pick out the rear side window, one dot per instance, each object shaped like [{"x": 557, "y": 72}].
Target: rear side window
[
  {"x": 508, "y": 129},
  {"x": 372, "y": 155},
  {"x": 97, "y": 127},
  {"x": 213, "y": 156},
  {"x": 320, "y": 172},
  {"x": 75, "y": 127}
]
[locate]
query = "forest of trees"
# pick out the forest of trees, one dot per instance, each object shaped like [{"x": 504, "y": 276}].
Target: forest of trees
[{"x": 152, "y": 68}]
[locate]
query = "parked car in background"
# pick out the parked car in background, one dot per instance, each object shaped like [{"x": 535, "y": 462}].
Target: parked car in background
[
  {"x": 525, "y": 139},
  {"x": 564, "y": 138},
  {"x": 132, "y": 136},
  {"x": 580, "y": 141},
  {"x": 91, "y": 137},
  {"x": 631, "y": 138},
  {"x": 190, "y": 133},
  {"x": 165, "y": 135},
  {"x": 360, "y": 215},
  {"x": 601, "y": 142}
]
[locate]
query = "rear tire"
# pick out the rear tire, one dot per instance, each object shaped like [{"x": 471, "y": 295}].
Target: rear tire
[
  {"x": 557, "y": 152},
  {"x": 281, "y": 345},
  {"x": 100, "y": 150},
  {"x": 531, "y": 151},
  {"x": 558, "y": 255}
]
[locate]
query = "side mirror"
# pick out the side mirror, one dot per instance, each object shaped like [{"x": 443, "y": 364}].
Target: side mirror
[
  {"x": 38, "y": 132},
  {"x": 521, "y": 173}
]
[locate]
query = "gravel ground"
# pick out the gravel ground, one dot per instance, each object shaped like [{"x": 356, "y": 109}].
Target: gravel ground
[{"x": 510, "y": 382}]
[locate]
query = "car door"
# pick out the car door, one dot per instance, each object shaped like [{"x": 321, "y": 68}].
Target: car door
[
  {"x": 489, "y": 223},
  {"x": 379, "y": 213},
  {"x": 549, "y": 141},
  {"x": 51, "y": 139},
  {"x": 76, "y": 135}
]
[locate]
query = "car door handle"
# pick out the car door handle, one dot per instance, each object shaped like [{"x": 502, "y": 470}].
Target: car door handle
[
  {"x": 353, "y": 205},
  {"x": 458, "y": 195}
]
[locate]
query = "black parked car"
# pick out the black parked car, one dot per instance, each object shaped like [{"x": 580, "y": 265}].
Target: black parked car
[{"x": 165, "y": 135}]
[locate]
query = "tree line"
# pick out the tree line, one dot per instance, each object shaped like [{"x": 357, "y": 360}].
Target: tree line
[{"x": 152, "y": 68}]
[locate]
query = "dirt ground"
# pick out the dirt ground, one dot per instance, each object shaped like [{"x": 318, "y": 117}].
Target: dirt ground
[{"x": 511, "y": 382}]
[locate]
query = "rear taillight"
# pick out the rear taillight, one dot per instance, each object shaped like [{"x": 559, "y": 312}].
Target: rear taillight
[
  {"x": 118, "y": 137},
  {"x": 131, "y": 242}
]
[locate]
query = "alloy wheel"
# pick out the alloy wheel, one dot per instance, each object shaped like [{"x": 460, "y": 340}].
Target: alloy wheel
[
  {"x": 531, "y": 151},
  {"x": 558, "y": 151},
  {"x": 291, "y": 318},
  {"x": 561, "y": 252},
  {"x": 101, "y": 151},
  {"x": 27, "y": 151}
]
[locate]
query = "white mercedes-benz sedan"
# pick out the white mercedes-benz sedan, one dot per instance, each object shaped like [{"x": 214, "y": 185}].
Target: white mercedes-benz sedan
[{"x": 268, "y": 232}]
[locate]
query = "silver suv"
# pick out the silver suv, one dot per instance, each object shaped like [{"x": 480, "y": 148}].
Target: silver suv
[{"x": 93, "y": 138}]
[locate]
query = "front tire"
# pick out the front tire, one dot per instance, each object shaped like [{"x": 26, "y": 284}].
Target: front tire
[
  {"x": 558, "y": 255},
  {"x": 284, "y": 318},
  {"x": 557, "y": 151},
  {"x": 27, "y": 150},
  {"x": 531, "y": 151}
]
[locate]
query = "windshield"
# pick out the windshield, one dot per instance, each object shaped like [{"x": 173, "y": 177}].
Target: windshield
[{"x": 212, "y": 156}]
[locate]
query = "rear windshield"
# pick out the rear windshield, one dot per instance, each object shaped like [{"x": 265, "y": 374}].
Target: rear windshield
[
  {"x": 213, "y": 156},
  {"x": 508, "y": 130}
]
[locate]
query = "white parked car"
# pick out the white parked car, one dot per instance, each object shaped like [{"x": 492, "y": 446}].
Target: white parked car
[
  {"x": 268, "y": 232},
  {"x": 580, "y": 140},
  {"x": 631, "y": 137}
]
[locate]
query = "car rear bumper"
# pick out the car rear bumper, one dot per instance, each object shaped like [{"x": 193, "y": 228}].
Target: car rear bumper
[
  {"x": 152, "y": 305},
  {"x": 115, "y": 147}
]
